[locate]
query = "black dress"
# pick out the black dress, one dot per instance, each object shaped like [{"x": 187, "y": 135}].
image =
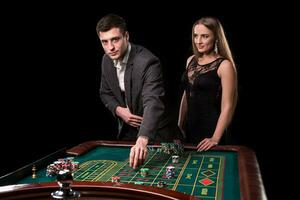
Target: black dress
[{"x": 203, "y": 92}]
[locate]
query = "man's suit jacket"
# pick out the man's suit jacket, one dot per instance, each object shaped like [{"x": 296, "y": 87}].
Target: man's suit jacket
[{"x": 144, "y": 91}]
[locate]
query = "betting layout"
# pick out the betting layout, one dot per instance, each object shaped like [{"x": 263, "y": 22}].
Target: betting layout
[{"x": 167, "y": 167}]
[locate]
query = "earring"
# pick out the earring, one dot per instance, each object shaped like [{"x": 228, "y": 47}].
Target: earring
[{"x": 216, "y": 47}]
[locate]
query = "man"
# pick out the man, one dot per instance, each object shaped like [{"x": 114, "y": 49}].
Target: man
[{"x": 132, "y": 89}]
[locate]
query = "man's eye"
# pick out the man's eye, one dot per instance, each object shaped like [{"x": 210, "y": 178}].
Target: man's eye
[{"x": 116, "y": 39}]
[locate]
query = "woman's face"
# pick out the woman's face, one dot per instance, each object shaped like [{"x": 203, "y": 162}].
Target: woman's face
[{"x": 204, "y": 39}]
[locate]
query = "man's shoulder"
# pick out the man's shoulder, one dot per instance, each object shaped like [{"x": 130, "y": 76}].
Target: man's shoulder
[{"x": 142, "y": 53}]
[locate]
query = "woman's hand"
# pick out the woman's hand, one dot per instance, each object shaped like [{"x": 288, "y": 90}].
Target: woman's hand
[{"x": 206, "y": 144}]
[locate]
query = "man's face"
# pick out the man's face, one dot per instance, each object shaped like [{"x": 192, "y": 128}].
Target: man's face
[{"x": 114, "y": 43}]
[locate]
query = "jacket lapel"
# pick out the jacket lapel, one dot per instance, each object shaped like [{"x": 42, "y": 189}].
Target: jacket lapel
[
  {"x": 128, "y": 78},
  {"x": 113, "y": 79}
]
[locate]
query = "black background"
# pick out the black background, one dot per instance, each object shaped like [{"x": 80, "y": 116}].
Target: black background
[{"x": 51, "y": 73}]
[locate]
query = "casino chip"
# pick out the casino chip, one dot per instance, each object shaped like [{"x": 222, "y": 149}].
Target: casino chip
[
  {"x": 115, "y": 179},
  {"x": 144, "y": 172},
  {"x": 161, "y": 184},
  {"x": 139, "y": 183}
]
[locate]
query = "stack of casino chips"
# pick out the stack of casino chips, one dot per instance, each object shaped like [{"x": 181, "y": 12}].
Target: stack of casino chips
[
  {"x": 175, "y": 159},
  {"x": 144, "y": 172},
  {"x": 115, "y": 179},
  {"x": 170, "y": 172},
  {"x": 175, "y": 148},
  {"x": 61, "y": 165},
  {"x": 161, "y": 184}
]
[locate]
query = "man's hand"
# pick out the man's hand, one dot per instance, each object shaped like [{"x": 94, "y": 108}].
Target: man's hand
[
  {"x": 128, "y": 118},
  {"x": 138, "y": 152}
]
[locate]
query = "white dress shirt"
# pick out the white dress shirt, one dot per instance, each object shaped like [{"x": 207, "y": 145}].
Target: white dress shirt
[{"x": 121, "y": 67}]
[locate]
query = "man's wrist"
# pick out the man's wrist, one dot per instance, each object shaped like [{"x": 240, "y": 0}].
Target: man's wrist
[
  {"x": 143, "y": 139},
  {"x": 117, "y": 111}
]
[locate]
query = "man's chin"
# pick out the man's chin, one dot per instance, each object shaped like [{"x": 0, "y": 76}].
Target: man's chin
[{"x": 116, "y": 57}]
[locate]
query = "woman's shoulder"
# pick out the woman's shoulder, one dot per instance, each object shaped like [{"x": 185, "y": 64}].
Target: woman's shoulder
[
  {"x": 189, "y": 60},
  {"x": 226, "y": 66},
  {"x": 225, "y": 63}
]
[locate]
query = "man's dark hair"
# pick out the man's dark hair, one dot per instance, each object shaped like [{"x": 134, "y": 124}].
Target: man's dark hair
[{"x": 111, "y": 21}]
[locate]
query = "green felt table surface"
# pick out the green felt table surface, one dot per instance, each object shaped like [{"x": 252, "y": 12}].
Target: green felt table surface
[
  {"x": 208, "y": 175},
  {"x": 228, "y": 172}
]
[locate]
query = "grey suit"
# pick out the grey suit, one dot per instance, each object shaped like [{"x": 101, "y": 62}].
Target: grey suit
[{"x": 144, "y": 93}]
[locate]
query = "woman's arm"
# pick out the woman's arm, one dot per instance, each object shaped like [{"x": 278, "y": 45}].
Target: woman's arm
[
  {"x": 182, "y": 112},
  {"x": 228, "y": 77}
]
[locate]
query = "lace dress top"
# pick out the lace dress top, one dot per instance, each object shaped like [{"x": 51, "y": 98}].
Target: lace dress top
[{"x": 203, "y": 91}]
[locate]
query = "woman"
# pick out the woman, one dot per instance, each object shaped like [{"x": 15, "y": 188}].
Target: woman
[{"x": 210, "y": 86}]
